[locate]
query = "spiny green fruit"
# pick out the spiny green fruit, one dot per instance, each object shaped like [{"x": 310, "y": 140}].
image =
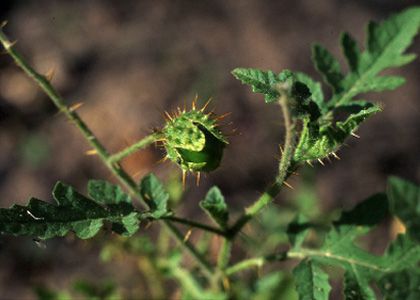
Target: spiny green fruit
[{"x": 193, "y": 140}]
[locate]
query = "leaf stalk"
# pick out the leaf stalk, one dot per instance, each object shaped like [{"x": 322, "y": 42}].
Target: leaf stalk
[{"x": 284, "y": 165}]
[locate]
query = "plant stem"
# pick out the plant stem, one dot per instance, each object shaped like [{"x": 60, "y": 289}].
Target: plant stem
[
  {"x": 206, "y": 267},
  {"x": 192, "y": 223},
  {"x": 114, "y": 167},
  {"x": 245, "y": 264},
  {"x": 224, "y": 254},
  {"x": 150, "y": 139},
  {"x": 254, "y": 262},
  {"x": 186, "y": 279},
  {"x": 284, "y": 167},
  {"x": 153, "y": 278}
]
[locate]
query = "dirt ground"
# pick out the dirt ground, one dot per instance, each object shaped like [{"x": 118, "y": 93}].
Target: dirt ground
[{"x": 128, "y": 61}]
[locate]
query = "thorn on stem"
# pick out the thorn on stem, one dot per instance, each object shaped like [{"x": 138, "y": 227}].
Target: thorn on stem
[
  {"x": 75, "y": 106},
  {"x": 168, "y": 116},
  {"x": 197, "y": 181},
  {"x": 194, "y": 102},
  {"x": 178, "y": 109},
  {"x": 184, "y": 178},
  {"x": 162, "y": 160},
  {"x": 288, "y": 185},
  {"x": 206, "y": 104},
  {"x": 3, "y": 24},
  {"x": 223, "y": 116},
  {"x": 50, "y": 74},
  {"x": 355, "y": 135},
  {"x": 309, "y": 163},
  {"x": 187, "y": 235},
  {"x": 91, "y": 152},
  {"x": 8, "y": 45},
  {"x": 335, "y": 155},
  {"x": 321, "y": 162}
]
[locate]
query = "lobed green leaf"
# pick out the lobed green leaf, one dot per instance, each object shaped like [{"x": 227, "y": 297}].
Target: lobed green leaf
[
  {"x": 361, "y": 267},
  {"x": 155, "y": 195},
  {"x": 215, "y": 206},
  {"x": 263, "y": 82},
  {"x": 328, "y": 66},
  {"x": 386, "y": 44},
  {"x": 72, "y": 212},
  {"x": 311, "y": 281},
  {"x": 404, "y": 199}
]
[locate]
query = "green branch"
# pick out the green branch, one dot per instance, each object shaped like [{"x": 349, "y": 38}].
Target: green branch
[
  {"x": 284, "y": 166},
  {"x": 113, "y": 166},
  {"x": 195, "y": 224},
  {"x": 224, "y": 254},
  {"x": 254, "y": 262},
  {"x": 150, "y": 139}
]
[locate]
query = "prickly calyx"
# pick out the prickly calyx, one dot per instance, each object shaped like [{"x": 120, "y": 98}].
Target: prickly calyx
[{"x": 193, "y": 141}]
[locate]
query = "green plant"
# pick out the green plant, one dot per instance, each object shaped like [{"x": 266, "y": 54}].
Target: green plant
[{"x": 194, "y": 142}]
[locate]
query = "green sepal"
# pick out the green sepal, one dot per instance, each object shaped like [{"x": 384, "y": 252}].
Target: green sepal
[
  {"x": 321, "y": 138},
  {"x": 193, "y": 140}
]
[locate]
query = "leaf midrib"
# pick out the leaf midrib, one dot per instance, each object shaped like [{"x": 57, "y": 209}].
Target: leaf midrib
[
  {"x": 42, "y": 220},
  {"x": 304, "y": 252}
]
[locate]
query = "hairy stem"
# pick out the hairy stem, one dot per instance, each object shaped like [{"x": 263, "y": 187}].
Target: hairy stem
[
  {"x": 284, "y": 167},
  {"x": 177, "y": 235},
  {"x": 114, "y": 167},
  {"x": 224, "y": 254},
  {"x": 152, "y": 276},
  {"x": 255, "y": 262},
  {"x": 150, "y": 139},
  {"x": 191, "y": 223},
  {"x": 186, "y": 279}
]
